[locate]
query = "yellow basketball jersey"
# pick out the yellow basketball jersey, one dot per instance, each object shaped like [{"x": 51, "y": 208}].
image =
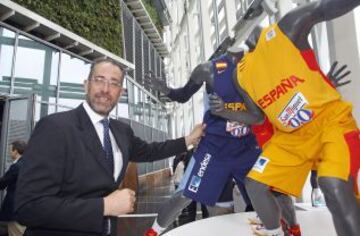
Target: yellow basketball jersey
[{"x": 286, "y": 83}]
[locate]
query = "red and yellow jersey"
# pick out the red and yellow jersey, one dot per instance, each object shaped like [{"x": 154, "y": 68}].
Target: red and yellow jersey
[{"x": 287, "y": 84}]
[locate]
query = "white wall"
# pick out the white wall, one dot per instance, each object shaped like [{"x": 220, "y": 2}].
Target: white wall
[{"x": 346, "y": 50}]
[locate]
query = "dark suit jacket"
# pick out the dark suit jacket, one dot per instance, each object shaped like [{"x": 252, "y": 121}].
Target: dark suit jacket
[
  {"x": 64, "y": 176},
  {"x": 8, "y": 181}
]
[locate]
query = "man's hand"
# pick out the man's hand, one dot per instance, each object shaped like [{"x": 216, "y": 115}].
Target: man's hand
[
  {"x": 119, "y": 202},
  {"x": 216, "y": 104},
  {"x": 156, "y": 83},
  {"x": 194, "y": 137},
  {"x": 336, "y": 76}
]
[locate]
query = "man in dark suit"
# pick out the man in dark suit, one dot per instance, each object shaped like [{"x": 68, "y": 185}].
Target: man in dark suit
[
  {"x": 76, "y": 160},
  {"x": 8, "y": 182}
]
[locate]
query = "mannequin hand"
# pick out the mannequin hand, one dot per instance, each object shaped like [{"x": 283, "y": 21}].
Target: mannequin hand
[
  {"x": 336, "y": 75},
  {"x": 216, "y": 104},
  {"x": 156, "y": 83},
  {"x": 317, "y": 198}
]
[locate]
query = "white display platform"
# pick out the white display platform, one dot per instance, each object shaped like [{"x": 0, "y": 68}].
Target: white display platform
[{"x": 316, "y": 222}]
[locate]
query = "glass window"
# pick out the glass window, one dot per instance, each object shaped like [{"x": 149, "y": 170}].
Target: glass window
[
  {"x": 123, "y": 110},
  {"x": 154, "y": 113},
  {"x": 54, "y": 71},
  {"x": 241, "y": 6},
  {"x": 138, "y": 108},
  {"x": 7, "y": 33},
  {"x": 73, "y": 73},
  {"x": 30, "y": 58},
  {"x": 7, "y": 41},
  {"x": 52, "y": 105},
  {"x": 147, "y": 110},
  {"x": 125, "y": 83},
  {"x": 17, "y": 125},
  {"x": 36, "y": 71},
  {"x": 24, "y": 37},
  {"x": 222, "y": 25},
  {"x": 44, "y": 108},
  {"x": 113, "y": 112},
  {"x": 37, "y": 102},
  {"x": 73, "y": 70},
  {"x": 163, "y": 120},
  {"x": 65, "y": 104},
  {"x": 130, "y": 98}
]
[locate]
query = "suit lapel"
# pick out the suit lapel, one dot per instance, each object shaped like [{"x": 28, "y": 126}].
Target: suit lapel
[
  {"x": 91, "y": 139},
  {"x": 123, "y": 143}
]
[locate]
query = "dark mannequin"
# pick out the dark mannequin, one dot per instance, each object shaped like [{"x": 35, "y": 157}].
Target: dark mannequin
[
  {"x": 336, "y": 76},
  {"x": 203, "y": 73},
  {"x": 339, "y": 194}
]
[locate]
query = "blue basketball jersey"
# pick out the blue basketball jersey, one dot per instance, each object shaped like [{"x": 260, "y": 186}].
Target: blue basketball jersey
[
  {"x": 228, "y": 149},
  {"x": 224, "y": 67}
]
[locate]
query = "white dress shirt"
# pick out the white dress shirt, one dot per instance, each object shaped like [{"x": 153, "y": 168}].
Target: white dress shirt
[
  {"x": 95, "y": 120},
  {"x": 16, "y": 160}
]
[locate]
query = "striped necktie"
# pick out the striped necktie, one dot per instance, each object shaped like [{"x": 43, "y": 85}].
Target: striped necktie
[{"x": 107, "y": 145}]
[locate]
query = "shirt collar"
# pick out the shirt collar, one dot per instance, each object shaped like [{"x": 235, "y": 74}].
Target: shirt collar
[
  {"x": 16, "y": 160},
  {"x": 94, "y": 117}
]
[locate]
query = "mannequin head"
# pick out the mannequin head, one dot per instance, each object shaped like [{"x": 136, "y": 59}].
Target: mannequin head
[
  {"x": 235, "y": 53},
  {"x": 253, "y": 38}
]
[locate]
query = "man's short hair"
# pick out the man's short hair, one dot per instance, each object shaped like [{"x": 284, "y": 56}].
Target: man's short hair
[
  {"x": 105, "y": 60},
  {"x": 19, "y": 146}
]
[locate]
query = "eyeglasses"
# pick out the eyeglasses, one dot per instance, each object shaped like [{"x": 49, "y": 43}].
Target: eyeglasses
[{"x": 98, "y": 80}]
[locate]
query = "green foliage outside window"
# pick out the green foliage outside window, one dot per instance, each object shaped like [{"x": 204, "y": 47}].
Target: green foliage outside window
[
  {"x": 96, "y": 20},
  {"x": 153, "y": 14}
]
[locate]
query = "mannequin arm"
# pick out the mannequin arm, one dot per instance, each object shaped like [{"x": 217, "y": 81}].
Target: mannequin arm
[
  {"x": 337, "y": 75},
  {"x": 156, "y": 83},
  {"x": 297, "y": 23},
  {"x": 202, "y": 73},
  {"x": 246, "y": 117},
  {"x": 253, "y": 114},
  {"x": 183, "y": 94}
]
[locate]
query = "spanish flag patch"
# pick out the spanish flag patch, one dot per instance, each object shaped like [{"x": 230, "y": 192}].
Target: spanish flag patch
[{"x": 221, "y": 66}]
